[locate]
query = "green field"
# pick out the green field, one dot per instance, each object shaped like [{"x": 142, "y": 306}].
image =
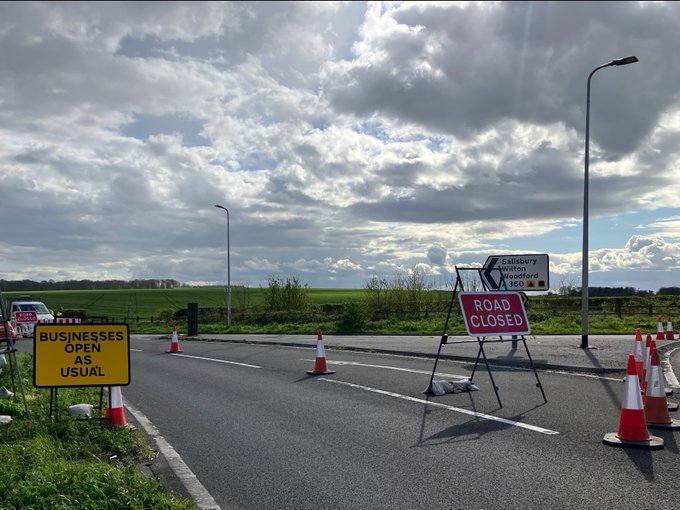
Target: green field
[
  {"x": 340, "y": 311},
  {"x": 144, "y": 304}
]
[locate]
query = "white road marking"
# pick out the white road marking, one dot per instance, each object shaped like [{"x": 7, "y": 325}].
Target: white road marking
[
  {"x": 429, "y": 372},
  {"x": 388, "y": 367},
  {"x": 137, "y": 350},
  {"x": 590, "y": 376},
  {"x": 200, "y": 495},
  {"x": 527, "y": 426},
  {"x": 216, "y": 360}
]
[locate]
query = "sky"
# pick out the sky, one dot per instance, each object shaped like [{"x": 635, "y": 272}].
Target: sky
[{"x": 348, "y": 140}]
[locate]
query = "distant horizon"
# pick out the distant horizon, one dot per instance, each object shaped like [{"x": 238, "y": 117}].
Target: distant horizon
[{"x": 233, "y": 286}]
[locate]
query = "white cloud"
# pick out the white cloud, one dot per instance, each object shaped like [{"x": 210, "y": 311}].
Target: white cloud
[{"x": 345, "y": 139}]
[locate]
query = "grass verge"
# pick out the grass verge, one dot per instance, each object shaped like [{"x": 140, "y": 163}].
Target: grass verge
[{"x": 63, "y": 462}]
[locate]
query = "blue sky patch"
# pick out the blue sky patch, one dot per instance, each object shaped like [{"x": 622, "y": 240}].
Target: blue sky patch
[{"x": 188, "y": 127}]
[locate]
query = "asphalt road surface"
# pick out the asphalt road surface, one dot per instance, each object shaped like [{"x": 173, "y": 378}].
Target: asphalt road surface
[{"x": 259, "y": 433}]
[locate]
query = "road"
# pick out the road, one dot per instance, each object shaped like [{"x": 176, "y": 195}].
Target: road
[{"x": 258, "y": 432}]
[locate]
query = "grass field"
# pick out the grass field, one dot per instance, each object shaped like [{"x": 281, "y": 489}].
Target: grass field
[
  {"x": 154, "y": 310},
  {"x": 126, "y": 303}
]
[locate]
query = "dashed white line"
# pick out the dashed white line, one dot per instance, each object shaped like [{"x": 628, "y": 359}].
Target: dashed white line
[
  {"x": 200, "y": 495},
  {"x": 428, "y": 372},
  {"x": 216, "y": 360},
  {"x": 388, "y": 367},
  {"x": 589, "y": 376},
  {"x": 490, "y": 417}
]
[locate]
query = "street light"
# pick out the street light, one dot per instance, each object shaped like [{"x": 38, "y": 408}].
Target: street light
[
  {"x": 228, "y": 270},
  {"x": 584, "y": 258}
]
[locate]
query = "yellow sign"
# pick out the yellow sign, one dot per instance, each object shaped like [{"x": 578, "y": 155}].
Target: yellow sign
[{"x": 81, "y": 355}]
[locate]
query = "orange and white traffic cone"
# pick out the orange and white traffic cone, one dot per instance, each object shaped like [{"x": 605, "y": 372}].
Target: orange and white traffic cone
[
  {"x": 174, "y": 346},
  {"x": 320, "y": 367},
  {"x": 669, "y": 330},
  {"x": 659, "y": 329},
  {"x": 638, "y": 353},
  {"x": 632, "y": 425},
  {"x": 647, "y": 366},
  {"x": 115, "y": 412},
  {"x": 656, "y": 406}
]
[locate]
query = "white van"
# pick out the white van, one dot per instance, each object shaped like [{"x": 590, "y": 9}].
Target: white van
[{"x": 42, "y": 314}]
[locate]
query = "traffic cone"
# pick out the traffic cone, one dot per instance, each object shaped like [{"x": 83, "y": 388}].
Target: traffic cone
[
  {"x": 656, "y": 406},
  {"x": 669, "y": 330},
  {"x": 174, "y": 346},
  {"x": 639, "y": 356},
  {"x": 115, "y": 412},
  {"x": 659, "y": 329},
  {"x": 648, "y": 362},
  {"x": 320, "y": 367},
  {"x": 632, "y": 425}
]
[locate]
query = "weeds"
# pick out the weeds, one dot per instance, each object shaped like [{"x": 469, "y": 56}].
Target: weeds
[{"x": 65, "y": 463}]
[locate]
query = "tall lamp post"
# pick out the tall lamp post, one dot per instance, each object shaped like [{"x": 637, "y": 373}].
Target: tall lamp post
[
  {"x": 228, "y": 269},
  {"x": 584, "y": 258}
]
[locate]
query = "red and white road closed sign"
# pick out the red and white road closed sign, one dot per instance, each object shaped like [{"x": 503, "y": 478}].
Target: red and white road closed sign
[
  {"x": 26, "y": 316},
  {"x": 493, "y": 313}
]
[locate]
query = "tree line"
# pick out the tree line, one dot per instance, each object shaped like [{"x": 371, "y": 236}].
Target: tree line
[
  {"x": 413, "y": 282},
  {"x": 33, "y": 286},
  {"x": 617, "y": 291}
]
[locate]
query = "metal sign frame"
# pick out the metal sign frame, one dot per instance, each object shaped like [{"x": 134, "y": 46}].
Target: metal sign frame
[
  {"x": 480, "y": 340},
  {"x": 11, "y": 350}
]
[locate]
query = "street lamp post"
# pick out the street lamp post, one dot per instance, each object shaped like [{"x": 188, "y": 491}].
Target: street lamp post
[
  {"x": 584, "y": 257},
  {"x": 228, "y": 269}
]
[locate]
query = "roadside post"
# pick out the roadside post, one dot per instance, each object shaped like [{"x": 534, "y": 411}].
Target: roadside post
[{"x": 192, "y": 319}]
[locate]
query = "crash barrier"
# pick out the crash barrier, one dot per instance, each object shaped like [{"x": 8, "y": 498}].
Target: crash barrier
[{"x": 68, "y": 320}]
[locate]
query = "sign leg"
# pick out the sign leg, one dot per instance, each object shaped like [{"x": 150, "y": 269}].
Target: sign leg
[
  {"x": 488, "y": 369},
  {"x": 538, "y": 381}
]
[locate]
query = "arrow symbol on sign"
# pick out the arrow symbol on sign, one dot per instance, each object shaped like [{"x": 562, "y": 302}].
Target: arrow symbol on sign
[{"x": 488, "y": 269}]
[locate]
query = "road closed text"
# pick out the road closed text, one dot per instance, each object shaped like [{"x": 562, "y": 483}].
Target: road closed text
[{"x": 493, "y": 313}]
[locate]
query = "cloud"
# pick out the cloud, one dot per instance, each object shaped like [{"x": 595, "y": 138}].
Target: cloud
[
  {"x": 424, "y": 63},
  {"x": 437, "y": 255},
  {"x": 346, "y": 139}
]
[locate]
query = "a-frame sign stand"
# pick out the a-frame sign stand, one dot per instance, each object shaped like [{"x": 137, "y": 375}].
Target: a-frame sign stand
[
  {"x": 482, "y": 339},
  {"x": 11, "y": 350}
]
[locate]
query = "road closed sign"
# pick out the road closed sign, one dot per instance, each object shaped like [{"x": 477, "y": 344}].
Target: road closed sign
[
  {"x": 493, "y": 313},
  {"x": 26, "y": 316},
  {"x": 81, "y": 355}
]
